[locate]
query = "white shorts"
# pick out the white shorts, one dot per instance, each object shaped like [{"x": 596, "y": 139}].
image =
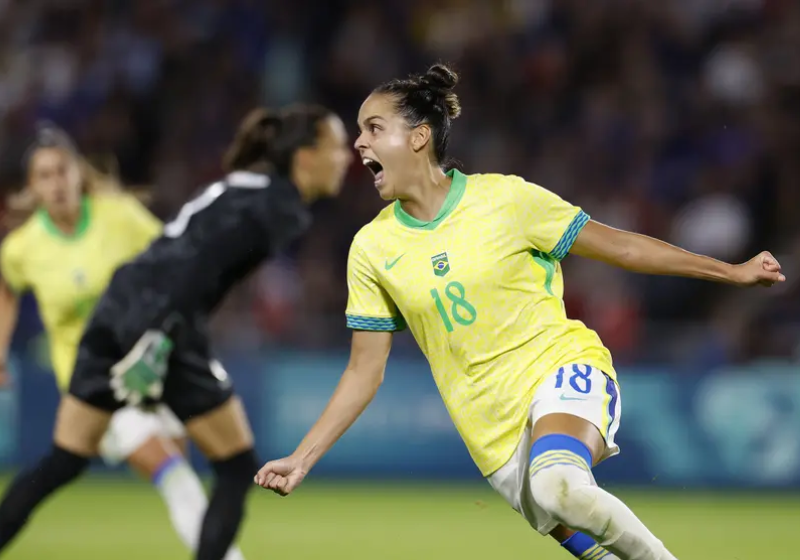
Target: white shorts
[
  {"x": 581, "y": 391},
  {"x": 131, "y": 427}
]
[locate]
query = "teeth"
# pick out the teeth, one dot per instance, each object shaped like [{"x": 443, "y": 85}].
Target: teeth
[{"x": 366, "y": 161}]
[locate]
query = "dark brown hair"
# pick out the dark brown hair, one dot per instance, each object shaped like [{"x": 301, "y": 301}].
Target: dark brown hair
[
  {"x": 22, "y": 204},
  {"x": 427, "y": 99},
  {"x": 270, "y": 138}
]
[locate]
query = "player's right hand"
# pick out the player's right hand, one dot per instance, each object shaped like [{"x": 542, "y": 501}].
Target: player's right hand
[{"x": 282, "y": 476}]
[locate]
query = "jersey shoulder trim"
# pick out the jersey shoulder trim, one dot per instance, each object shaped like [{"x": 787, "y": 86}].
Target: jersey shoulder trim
[
  {"x": 561, "y": 250},
  {"x": 379, "y": 324}
]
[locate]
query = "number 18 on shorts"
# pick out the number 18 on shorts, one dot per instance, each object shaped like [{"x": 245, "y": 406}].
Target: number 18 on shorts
[{"x": 583, "y": 391}]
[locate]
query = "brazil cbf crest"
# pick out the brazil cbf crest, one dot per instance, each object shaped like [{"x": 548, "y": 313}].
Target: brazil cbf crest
[{"x": 441, "y": 264}]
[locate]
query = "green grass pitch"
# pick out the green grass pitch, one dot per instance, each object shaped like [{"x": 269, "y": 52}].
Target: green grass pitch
[{"x": 104, "y": 518}]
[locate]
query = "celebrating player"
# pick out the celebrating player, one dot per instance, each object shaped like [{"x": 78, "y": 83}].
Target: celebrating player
[
  {"x": 65, "y": 253},
  {"x": 472, "y": 264},
  {"x": 147, "y": 342}
]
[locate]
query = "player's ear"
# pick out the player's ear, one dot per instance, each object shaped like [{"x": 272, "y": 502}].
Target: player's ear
[{"x": 420, "y": 137}]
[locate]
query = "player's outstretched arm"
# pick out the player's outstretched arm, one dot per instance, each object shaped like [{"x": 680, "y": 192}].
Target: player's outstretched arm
[
  {"x": 357, "y": 387},
  {"x": 639, "y": 253},
  {"x": 9, "y": 309}
]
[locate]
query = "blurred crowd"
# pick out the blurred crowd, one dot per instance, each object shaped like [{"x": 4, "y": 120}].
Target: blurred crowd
[{"x": 677, "y": 119}]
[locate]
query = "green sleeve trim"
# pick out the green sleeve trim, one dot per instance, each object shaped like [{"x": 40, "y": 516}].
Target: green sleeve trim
[
  {"x": 561, "y": 250},
  {"x": 380, "y": 324}
]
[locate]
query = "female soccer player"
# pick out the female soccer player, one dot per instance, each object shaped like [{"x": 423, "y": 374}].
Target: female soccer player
[
  {"x": 65, "y": 253},
  {"x": 147, "y": 342},
  {"x": 471, "y": 264}
]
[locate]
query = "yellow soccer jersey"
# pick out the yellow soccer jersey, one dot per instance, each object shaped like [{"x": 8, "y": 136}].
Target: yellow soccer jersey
[
  {"x": 481, "y": 289},
  {"x": 68, "y": 274}
]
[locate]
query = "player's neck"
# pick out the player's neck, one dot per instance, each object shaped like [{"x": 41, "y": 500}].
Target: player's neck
[
  {"x": 67, "y": 223},
  {"x": 425, "y": 194}
]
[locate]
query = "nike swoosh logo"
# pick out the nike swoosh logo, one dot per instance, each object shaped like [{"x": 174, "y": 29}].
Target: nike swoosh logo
[
  {"x": 566, "y": 398},
  {"x": 390, "y": 265}
]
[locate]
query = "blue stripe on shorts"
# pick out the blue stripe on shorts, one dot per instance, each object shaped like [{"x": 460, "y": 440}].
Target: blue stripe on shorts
[{"x": 611, "y": 389}]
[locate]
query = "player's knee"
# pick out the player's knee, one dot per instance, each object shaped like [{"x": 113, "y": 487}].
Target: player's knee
[
  {"x": 60, "y": 467},
  {"x": 558, "y": 490},
  {"x": 559, "y": 475},
  {"x": 237, "y": 471}
]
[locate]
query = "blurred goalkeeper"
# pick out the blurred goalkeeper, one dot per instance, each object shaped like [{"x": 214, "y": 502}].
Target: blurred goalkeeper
[
  {"x": 78, "y": 228},
  {"x": 146, "y": 341}
]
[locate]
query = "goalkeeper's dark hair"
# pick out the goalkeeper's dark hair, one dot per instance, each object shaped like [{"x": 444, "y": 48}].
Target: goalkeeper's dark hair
[
  {"x": 427, "y": 99},
  {"x": 268, "y": 139}
]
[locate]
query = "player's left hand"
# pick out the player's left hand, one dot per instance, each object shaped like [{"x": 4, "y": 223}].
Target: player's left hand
[
  {"x": 282, "y": 476},
  {"x": 762, "y": 270}
]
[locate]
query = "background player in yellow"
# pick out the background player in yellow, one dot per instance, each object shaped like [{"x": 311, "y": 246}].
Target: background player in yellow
[
  {"x": 81, "y": 228},
  {"x": 472, "y": 264}
]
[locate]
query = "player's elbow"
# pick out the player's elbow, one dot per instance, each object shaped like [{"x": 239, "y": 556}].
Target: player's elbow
[
  {"x": 368, "y": 357},
  {"x": 365, "y": 374},
  {"x": 627, "y": 257},
  {"x": 361, "y": 384},
  {"x": 609, "y": 245},
  {"x": 625, "y": 251},
  {"x": 370, "y": 376}
]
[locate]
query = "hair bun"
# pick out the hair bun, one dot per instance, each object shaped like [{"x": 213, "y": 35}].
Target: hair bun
[
  {"x": 441, "y": 77},
  {"x": 441, "y": 80}
]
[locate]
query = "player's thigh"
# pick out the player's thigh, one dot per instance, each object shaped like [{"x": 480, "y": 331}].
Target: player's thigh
[
  {"x": 80, "y": 426},
  {"x": 581, "y": 402},
  {"x": 223, "y": 432},
  {"x": 199, "y": 392},
  {"x": 85, "y": 412},
  {"x": 511, "y": 482}
]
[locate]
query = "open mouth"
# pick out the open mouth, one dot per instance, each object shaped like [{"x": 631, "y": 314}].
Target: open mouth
[{"x": 376, "y": 169}]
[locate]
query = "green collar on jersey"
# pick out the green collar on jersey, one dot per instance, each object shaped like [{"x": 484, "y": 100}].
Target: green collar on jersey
[
  {"x": 457, "y": 187},
  {"x": 80, "y": 227}
]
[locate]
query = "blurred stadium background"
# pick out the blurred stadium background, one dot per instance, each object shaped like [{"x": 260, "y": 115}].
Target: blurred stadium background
[{"x": 679, "y": 119}]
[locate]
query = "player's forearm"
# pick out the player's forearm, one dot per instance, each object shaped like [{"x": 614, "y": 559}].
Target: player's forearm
[
  {"x": 353, "y": 394},
  {"x": 652, "y": 256},
  {"x": 646, "y": 255}
]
